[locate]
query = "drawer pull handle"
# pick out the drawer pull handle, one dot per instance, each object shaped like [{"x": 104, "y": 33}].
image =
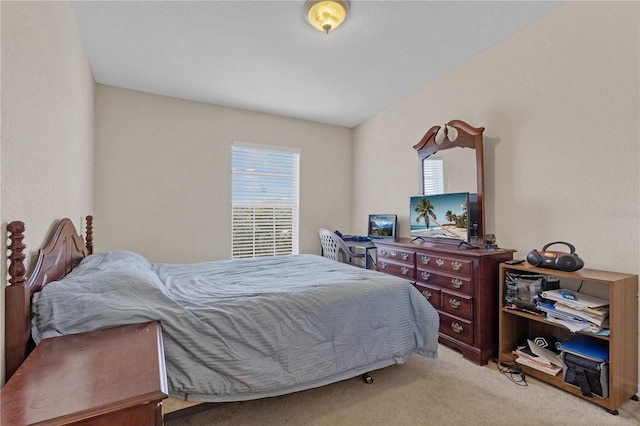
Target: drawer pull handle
[
  {"x": 383, "y": 252},
  {"x": 425, "y": 260},
  {"x": 425, "y": 275},
  {"x": 457, "y": 327},
  {"x": 455, "y": 304},
  {"x": 393, "y": 253},
  {"x": 404, "y": 256},
  {"x": 456, "y": 266},
  {"x": 427, "y": 294},
  {"x": 439, "y": 262},
  {"x": 383, "y": 265},
  {"x": 404, "y": 270},
  {"x": 456, "y": 283}
]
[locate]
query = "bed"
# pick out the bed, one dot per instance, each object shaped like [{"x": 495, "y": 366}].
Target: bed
[{"x": 233, "y": 329}]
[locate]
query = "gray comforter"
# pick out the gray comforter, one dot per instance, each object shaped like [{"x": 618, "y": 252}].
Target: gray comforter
[{"x": 245, "y": 329}]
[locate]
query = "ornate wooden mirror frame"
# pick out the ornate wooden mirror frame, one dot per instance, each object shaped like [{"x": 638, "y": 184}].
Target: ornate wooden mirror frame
[{"x": 468, "y": 137}]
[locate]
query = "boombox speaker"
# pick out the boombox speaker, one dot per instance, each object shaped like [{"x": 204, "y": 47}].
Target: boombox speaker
[{"x": 555, "y": 259}]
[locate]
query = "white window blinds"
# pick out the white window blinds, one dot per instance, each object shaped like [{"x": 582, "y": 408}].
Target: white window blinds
[
  {"x": 265, "y": 200},
  {"x": 433, "y": 177}
]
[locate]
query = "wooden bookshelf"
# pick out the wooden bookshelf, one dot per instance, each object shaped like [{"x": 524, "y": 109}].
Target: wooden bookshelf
[{"x": 622, "y": 290}]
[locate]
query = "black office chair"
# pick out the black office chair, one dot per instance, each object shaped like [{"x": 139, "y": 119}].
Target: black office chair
[{"x": 334, "y": 247}]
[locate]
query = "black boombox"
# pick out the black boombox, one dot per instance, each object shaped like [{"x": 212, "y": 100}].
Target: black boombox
[{"x": 555, "y": 259}]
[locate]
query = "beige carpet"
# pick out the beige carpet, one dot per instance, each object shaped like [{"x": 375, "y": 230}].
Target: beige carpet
[{"x": 445, "y": 391}]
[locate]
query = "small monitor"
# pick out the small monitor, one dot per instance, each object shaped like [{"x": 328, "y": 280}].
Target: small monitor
[{"x": 382, "y": 226}]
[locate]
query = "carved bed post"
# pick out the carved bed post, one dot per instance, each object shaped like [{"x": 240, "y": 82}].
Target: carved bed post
[
  {"x": 89, "y": 236},
  {"x": 17, "y": 270},
  {"x": 17, "y": 301}
]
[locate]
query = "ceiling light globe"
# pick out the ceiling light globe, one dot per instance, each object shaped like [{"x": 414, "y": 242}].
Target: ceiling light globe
[{"x": 326, "y": 15}]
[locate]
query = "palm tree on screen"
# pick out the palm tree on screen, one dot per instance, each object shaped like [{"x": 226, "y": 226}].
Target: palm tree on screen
[
  {"x": 425, "y": 210},
  {"x": 450, "y": 216}
]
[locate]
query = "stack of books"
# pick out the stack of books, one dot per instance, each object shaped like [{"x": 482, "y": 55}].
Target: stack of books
[
  {"x": 576, "y": 311},
  {"x": 538, "y": 358}
]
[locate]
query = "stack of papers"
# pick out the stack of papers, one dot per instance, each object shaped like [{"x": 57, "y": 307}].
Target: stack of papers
[
  {"x": 539, "y": 358},
  {"x": 576, "y": 311}
]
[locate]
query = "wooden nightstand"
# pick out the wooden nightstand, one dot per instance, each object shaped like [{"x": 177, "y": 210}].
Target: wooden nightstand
[{"x": 105, "y": 377}]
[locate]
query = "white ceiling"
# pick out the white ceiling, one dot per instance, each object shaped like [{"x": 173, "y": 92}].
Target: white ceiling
[{"x": 263, "y": 56}]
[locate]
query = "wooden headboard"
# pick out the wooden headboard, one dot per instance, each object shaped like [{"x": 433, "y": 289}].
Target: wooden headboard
[{"x": 64, "y": 250}]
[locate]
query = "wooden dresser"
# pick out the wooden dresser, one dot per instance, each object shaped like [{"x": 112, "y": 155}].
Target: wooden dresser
[
  {"x": 461, "y": 284},
  {"x": 107, "y": 377}
]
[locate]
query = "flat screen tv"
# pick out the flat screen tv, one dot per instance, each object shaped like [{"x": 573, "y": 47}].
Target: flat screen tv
[
  {"x": 382, "y": 226},
  {"x": 441, "y": 216}
]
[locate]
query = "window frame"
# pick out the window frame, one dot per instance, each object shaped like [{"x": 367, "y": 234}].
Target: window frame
[{"x": 264, "y": 202}]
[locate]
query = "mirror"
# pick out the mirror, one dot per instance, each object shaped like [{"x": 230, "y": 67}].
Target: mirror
[
  {"x": 452, "y": 170},
  {"x": 460, "y": 169}
]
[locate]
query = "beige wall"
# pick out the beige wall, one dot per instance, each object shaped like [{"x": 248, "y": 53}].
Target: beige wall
[
  {"x": 559, "y": 101},
  {"x": 163, "y": 174},
  {"x": 47, "y": 123}
]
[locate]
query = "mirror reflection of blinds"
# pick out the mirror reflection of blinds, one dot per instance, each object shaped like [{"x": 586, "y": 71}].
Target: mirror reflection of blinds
[
  {"x": 433, "y": 177},
  {"x": 265, "y": 200}
]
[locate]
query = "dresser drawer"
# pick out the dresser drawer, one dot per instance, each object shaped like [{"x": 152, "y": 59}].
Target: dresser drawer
[
  {"x": 461, "y": 284},
  {"x": 457, "y": 304},
  {"x": 444, "y": 263},
  {"x": 393, "y": 253},
  {"x": 400, "y": 269},
  {"x": 456, "y": 327},
  {"x": 432, "y": 294}
]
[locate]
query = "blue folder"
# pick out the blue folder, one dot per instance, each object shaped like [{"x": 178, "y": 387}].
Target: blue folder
[{"x": 591, "y": 347}]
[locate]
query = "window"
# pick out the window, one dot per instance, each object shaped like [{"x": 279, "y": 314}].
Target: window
[
  {"x": 265, "y": 200},
  {"x": 433, "y": 177}
]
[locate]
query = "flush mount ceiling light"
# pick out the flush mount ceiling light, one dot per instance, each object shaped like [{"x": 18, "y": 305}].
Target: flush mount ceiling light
[{"x": 326, "y": 15}]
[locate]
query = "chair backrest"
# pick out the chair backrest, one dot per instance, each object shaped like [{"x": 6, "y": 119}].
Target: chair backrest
[{"x": 333, "y": 246}]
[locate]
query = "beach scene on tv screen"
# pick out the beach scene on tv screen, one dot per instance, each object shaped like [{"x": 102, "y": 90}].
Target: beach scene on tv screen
[{"x": 439, "y": 216}]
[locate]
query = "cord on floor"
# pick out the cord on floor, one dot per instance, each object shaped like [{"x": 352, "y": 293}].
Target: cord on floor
[{"x": 512, "y": 371}]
